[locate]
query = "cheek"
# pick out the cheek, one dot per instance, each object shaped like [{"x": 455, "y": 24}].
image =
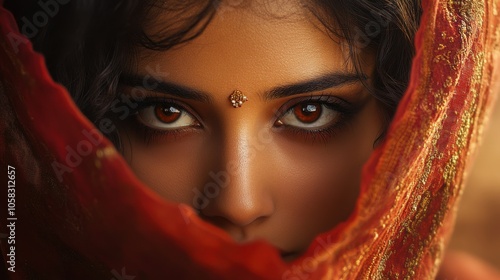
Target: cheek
[
  {"x": 319, "y": 184},
  {"x": 319, "y": 187},
  {"x": 173, "y": 170}
]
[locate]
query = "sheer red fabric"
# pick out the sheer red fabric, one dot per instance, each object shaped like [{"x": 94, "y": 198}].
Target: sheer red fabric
[{"x": 80, "y": 213}]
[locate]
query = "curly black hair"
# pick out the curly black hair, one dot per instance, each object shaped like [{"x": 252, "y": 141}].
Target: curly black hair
[{"x": 88, "y": 44}]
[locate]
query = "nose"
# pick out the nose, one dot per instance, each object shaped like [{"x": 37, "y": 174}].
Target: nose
[{"x": 245, "y": 199}]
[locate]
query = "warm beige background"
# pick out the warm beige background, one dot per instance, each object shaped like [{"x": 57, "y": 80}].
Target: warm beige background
[{"x": 478, "y": 223}]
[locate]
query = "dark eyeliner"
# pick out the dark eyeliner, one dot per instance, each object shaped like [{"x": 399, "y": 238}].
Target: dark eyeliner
[
  {"x": 152, "y": 101},
  {"x": 149, "y": 134},
  {"x": 345, "y": 109}
]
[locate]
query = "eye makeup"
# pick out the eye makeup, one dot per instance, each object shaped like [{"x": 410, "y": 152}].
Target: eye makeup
[
  {"x": 311, "y": 118},
  {"x": 317, "y": 118},
  {"x": 157, "y": 119}
]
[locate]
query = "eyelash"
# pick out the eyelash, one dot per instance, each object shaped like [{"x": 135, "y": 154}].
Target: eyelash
[
  {"x": 150, "y": 135},
  {"x": 345, "y": 110}
]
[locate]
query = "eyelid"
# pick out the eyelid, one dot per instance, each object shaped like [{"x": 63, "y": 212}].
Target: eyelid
[
  {"x": 155, "y": 100},
  {"x": 322, "y": 99}
]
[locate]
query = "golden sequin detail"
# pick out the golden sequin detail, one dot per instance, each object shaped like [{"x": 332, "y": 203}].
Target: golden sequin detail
[{"x": 237, "y": 98}]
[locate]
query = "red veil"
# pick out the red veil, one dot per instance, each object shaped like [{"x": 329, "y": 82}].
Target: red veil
[{"x": 78, "y": 212}]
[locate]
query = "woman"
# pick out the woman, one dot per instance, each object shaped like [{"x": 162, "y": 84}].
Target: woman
[
  {"x": 260, "y": 117},
  {"x": 306, "y": 93}
]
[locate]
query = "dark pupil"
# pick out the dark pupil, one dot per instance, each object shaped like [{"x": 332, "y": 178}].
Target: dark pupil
[
  {"x": 308, "y": 112},
  {"x": 167, "y": 114},
  {"x": 309, "y": 109}
]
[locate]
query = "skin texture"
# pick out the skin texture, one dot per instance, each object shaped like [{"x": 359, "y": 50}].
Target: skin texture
[{"x": 241, "y": 168}]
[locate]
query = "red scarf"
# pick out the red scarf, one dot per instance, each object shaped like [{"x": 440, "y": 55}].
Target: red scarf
[{"x": 95, "y": 220}]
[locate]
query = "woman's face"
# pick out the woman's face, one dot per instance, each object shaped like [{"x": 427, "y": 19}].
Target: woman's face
[{"x": 283, "y": 167}]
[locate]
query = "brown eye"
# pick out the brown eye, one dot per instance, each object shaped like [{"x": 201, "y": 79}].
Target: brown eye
[
  {"x": 165, "y": 116},
  {"x": 167, "y": 113},
  {"x": 309, "y": 116},
  {"x": 308, "y": 112}
]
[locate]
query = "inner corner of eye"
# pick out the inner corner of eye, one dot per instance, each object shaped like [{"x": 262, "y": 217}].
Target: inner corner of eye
[{"x": 279, "y": 123}]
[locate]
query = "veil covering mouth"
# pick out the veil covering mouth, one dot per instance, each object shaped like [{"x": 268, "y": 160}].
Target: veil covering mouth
[{"x": 87, "y": 216}]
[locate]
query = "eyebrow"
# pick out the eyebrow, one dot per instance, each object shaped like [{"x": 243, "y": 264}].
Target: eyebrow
[
  {"x": 157, "y": 85},
  {"x": 331, "y": 80}
]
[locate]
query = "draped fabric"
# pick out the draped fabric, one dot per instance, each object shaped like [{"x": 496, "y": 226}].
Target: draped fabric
[{"x": 80, "y": 213}]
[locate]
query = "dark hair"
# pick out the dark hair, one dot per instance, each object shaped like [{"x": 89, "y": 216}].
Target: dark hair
[{"x": 87, "y": 44}]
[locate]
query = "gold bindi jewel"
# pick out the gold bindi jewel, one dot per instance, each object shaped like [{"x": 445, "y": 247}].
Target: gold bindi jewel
[{"x": 237, "y": 98}]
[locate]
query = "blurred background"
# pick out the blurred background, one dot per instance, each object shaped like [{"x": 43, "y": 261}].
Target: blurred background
[{"x": 477, "y": 228}]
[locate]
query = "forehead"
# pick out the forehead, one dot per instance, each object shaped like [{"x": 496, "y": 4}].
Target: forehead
[{"x": 247, "y": 45}]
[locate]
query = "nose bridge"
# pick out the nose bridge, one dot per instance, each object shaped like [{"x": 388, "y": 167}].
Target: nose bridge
[{"x": 245, "y": 198}]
